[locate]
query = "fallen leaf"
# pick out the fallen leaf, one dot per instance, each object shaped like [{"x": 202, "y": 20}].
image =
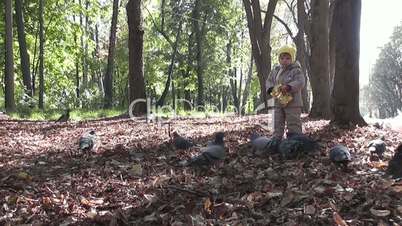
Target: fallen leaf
[
  {"x": 380, "y": 213},
  {"x": 339, "y": 220}
]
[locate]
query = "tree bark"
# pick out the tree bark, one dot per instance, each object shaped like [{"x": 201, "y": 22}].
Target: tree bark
[
  {"x": 320, "y": 60},
  {"x": 199, "y": 31},
  {"x": 247, "y": 86},
  {"x": 108, "y": 83},
  {"x": 9, "y": 60},
  {"x": 26, "y": 76},
  {"x": 135, "y": 46},
  {"x": 345, "y": 95},
  {"x": 161, "y": 100},
  {"x": 41, "y": 54},
  {"x": 260, "y": 39}
]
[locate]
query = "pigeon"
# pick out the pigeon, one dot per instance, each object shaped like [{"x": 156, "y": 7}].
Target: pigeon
[
  {"x": 340, "y": 155},
  {"x": 180, "y": 142},
  {"x": 377, "y": 146},
  {"x": 218, "y": 139},
  {"x": 210, "y": 154},
  {"x": 259, "y": 143},
  {"x": 290, "y": 149},
  {"x": 295, "y": 145},
  {"x": 395, "y": 164},
  {"x": 87, "y": 141},
  {"x": 307, "y": 143},
  {"x": 64, "y": 117}
]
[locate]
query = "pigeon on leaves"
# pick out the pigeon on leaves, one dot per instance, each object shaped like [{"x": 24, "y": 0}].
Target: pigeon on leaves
[
  {"x": 212, "y": 153},
  {"x": 377, "y": 146},
  {"x": 87, "y": 141},
  {"x": 340, "y": 155},
  {"x": 180, "y": 142}
]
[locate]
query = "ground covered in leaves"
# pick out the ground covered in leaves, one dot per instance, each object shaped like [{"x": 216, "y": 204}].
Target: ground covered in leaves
[{"x": 132, "y": 178}]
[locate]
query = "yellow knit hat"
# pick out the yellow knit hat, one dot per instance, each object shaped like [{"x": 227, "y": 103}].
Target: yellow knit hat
[{"x": 288, "y": 49}]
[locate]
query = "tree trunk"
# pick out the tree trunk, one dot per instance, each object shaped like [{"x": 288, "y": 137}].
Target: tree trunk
[
  {"x": 108, "y": 83},
  {"x": 260, "y": 39},
  {"x": 41, "y": 54},
  {"x": 319, "y": 60},
  {"x": 345, "y": 95},
  {"x": 26, "y": 76},
  {"x": 232, "y": 74},
  {"x": 9, "y": 62},
  {"x": 247, "y": 86},
  {"x": 331, "y": 47},
  {"x": 199, "y": 31},
  {"x": 186, "y": 74},
  {"x": 161, "y": 100},
  {"x": 135, "y": 46}
]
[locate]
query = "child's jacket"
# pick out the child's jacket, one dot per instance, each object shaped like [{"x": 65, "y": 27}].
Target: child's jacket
[{"x": 292, "y": 76}]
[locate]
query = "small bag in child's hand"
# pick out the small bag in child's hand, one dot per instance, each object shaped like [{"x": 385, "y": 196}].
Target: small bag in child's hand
[{"x": 283, "y": 97}]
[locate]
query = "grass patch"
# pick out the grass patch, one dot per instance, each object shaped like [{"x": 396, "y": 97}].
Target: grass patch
[{"x": 75, "y": 114}]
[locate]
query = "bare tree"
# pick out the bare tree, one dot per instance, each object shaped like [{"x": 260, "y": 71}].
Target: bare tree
[
  {"x": 26, "y": 76},
  {"x": 345, "y": 94},
  {"x": 41, "y": 54},
  {"x": 135, "y": 46},
  {"x": 319, "y": 61},
  {"x": 108, "y": 83},
  {"x": 260, "y": 38},
  {"x": 9, "y": 64}
]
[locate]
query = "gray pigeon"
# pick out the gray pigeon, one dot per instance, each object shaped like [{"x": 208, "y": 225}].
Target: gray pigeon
[
  {"x": 87, "y": 141},
  {"x": 377, "y": 146},
  {"x": 340, "y": 155},
  {"x": 64, "y": 117},
  {"x": 395, "y": 164},
  {"x": 259, "y": 143},
  {"x": 180, "y": 142},
  {"x": 210, "y": 154}
]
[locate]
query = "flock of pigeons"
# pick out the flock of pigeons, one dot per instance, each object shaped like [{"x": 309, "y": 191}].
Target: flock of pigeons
[{"x": 292, "y": 147}]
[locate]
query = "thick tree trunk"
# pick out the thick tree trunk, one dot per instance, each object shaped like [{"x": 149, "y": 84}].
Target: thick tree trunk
[
  {"x": 161, "y": 100},
  {"x": 41, "y": 54},
  {"x": 135, "y": 46},
  {"x": 9, "y": 62},
  {"x": 26, "y": 76},
  {"x": 345, "y": 95},
  {"x": 108, "y": 83},
  {"x": 260, "y": 39},
  {"x": 319, "y": 60}
]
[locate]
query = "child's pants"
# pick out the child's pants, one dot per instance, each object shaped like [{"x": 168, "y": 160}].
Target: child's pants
[{"x": 292, "y": 117}]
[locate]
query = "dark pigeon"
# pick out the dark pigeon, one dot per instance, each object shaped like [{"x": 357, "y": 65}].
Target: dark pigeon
[
  {"x": 290, "y": 149},
  {"x": 217, "y": 140},
  {"x": 307, "y": 143},
  {"x": 395, "y": 164},
  {"x": 210, "y": 154},
  {"x": 87, "y": 141},
  {"x": 377, "y": 146},
  {"x": 296, "y": 145},
  {"x": 180, "y": 142},
  {"x": 64, "y": 117},
  {"x": 340, "y": 155}
]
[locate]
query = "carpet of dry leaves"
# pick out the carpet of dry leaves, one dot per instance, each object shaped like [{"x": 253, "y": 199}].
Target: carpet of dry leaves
[{"x": 132, "y": 177}]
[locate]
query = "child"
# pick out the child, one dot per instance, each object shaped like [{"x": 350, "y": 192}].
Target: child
[{"x": 290, "y": 79}]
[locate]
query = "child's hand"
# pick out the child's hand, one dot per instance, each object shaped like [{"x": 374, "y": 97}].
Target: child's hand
[{"x": 285, "y": 88}]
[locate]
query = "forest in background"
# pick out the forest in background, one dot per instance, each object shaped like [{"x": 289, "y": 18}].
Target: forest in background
[{"x": 198, "y": 51}]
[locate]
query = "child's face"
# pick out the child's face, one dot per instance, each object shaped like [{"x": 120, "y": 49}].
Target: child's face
[{"x": 285, "y": 59}]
